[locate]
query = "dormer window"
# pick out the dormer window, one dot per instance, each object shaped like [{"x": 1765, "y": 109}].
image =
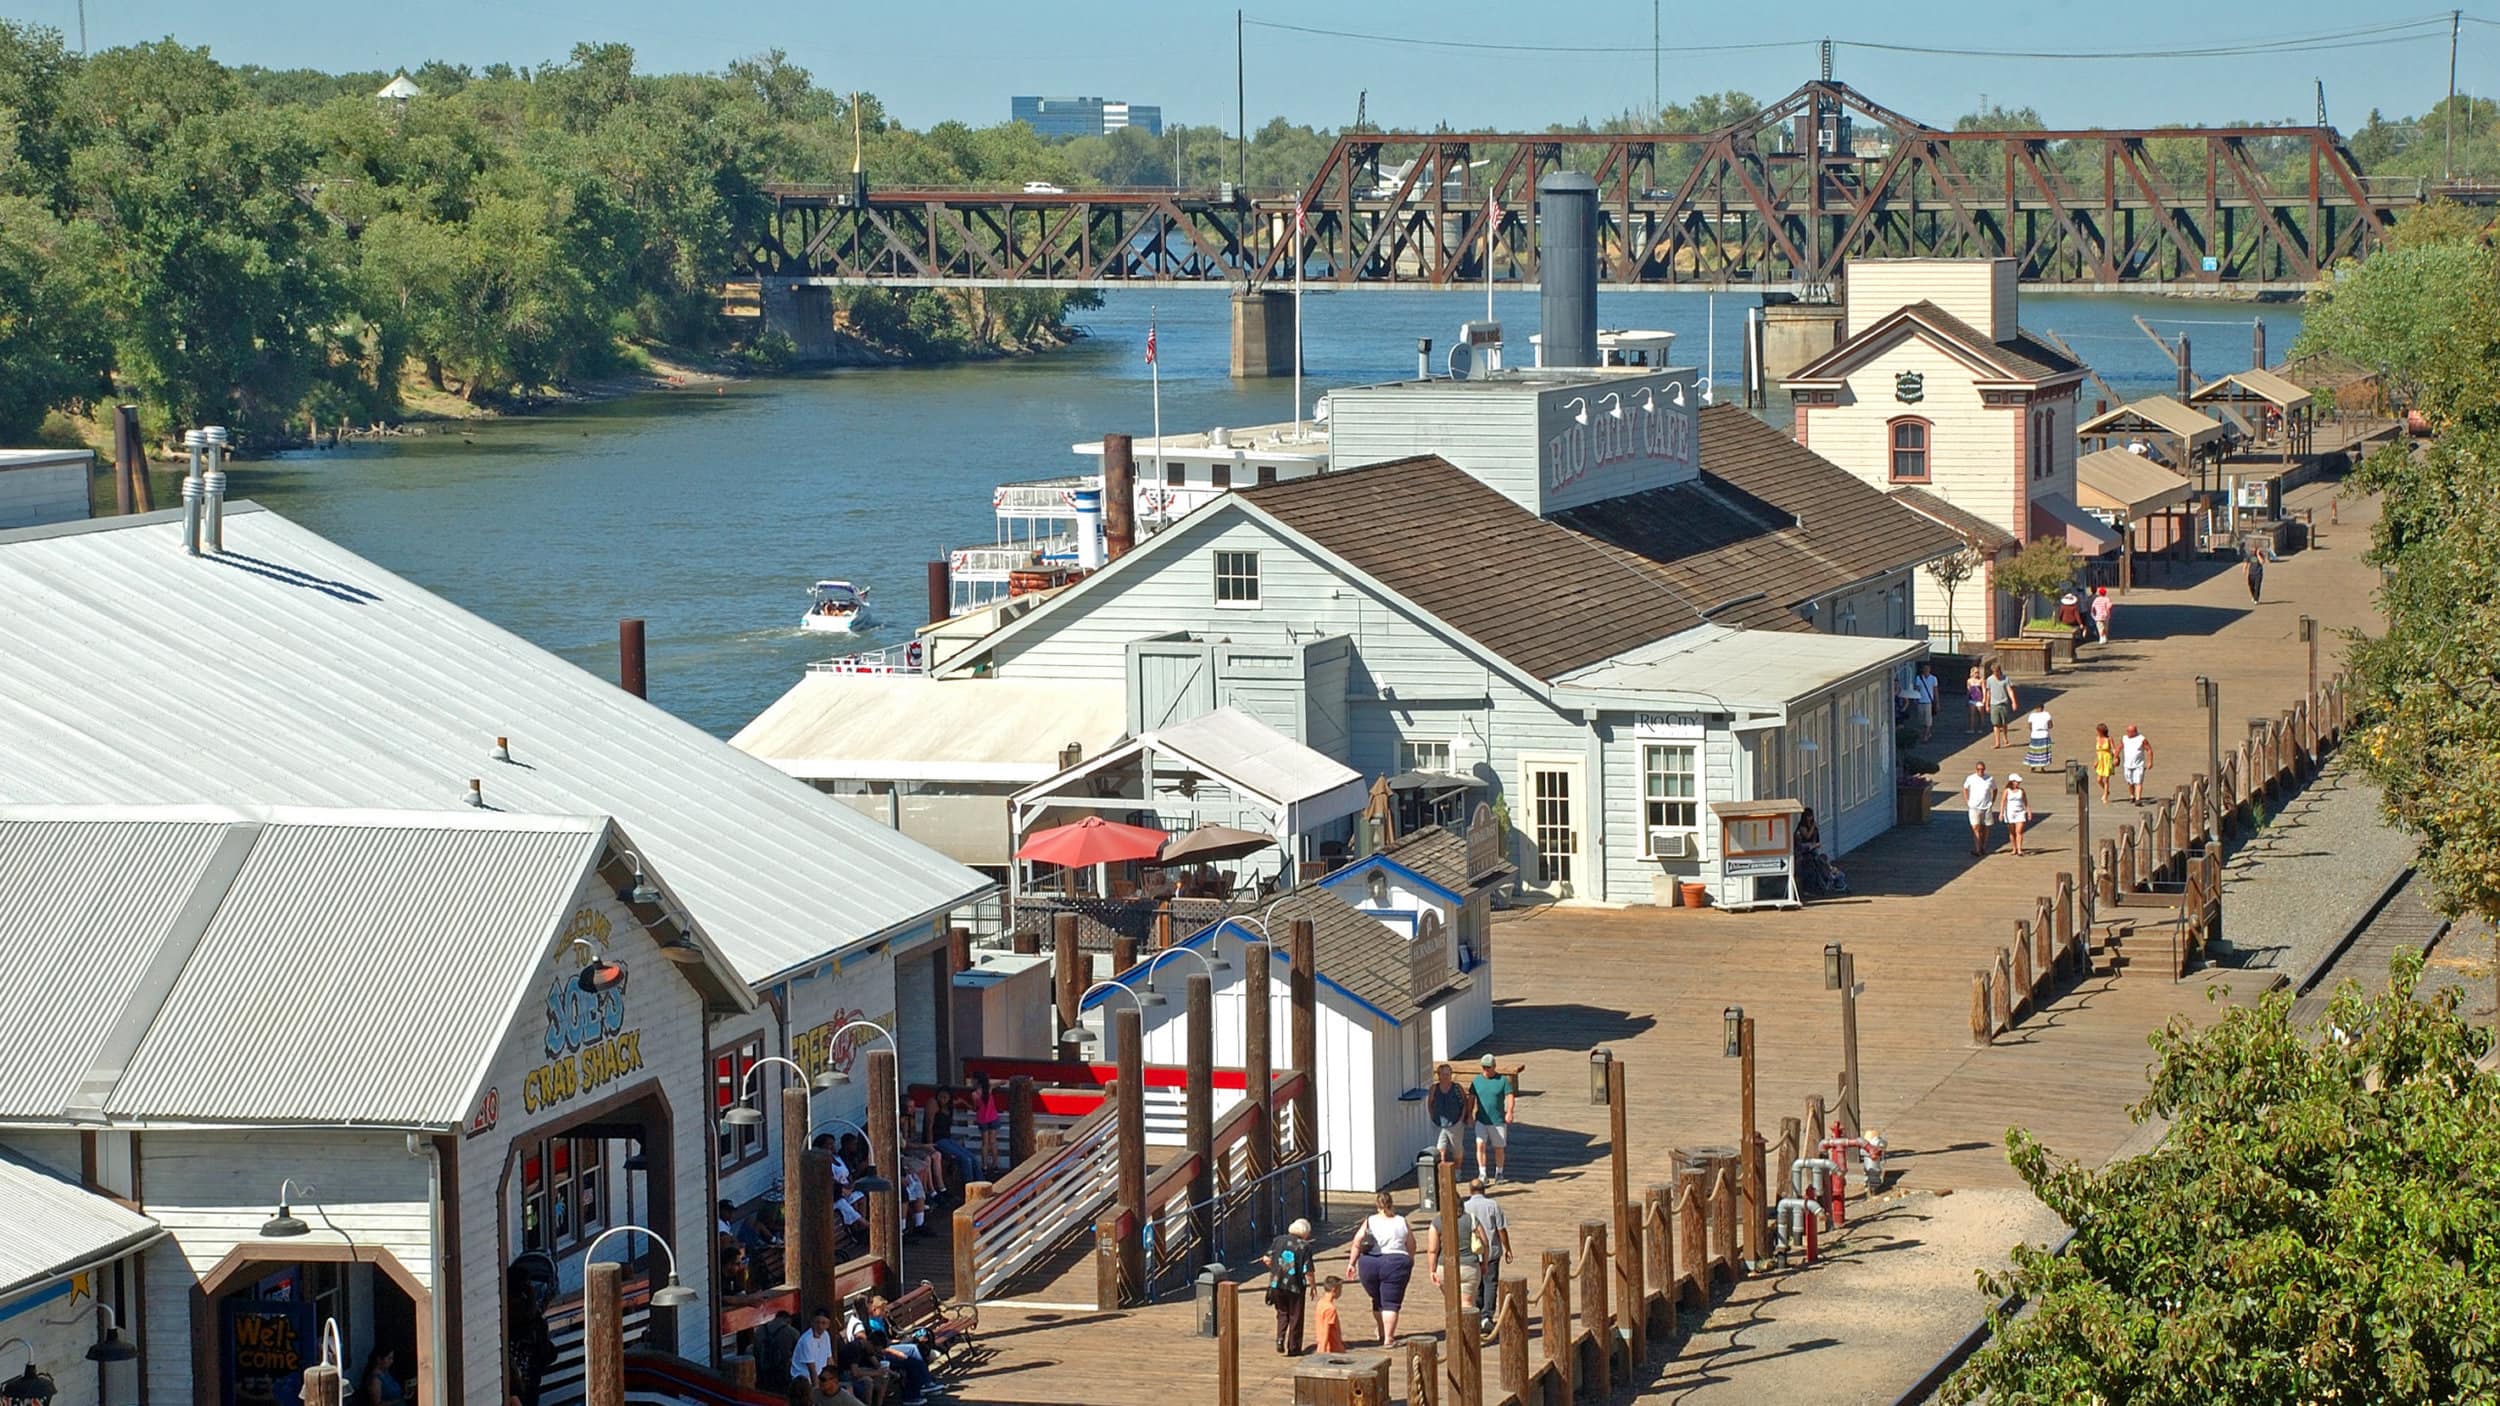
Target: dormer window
[
  {"x": 1909, "y": 450},
  {"x": 1378, "y": 887}
]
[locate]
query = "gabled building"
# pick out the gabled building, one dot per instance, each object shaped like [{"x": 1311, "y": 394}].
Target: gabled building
[{"x": 1936, "y": 387}]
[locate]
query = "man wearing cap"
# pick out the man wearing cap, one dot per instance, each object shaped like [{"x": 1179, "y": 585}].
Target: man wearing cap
[{"x": 1496, "y": 1102}]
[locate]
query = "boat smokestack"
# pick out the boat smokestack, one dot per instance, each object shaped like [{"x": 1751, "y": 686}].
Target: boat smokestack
[
  {"x": 1566, "y": 204},
  {"x": 941, "y": 591},
  {"x": 1119, "y": 496},
  {"x": 1089, "y": 550},
  {"x": 1423, "y": 358}
]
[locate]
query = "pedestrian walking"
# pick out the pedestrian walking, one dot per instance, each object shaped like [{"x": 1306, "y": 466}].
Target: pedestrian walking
[
  {"x": 2256, "y": 573},
  {"x": 1496, "y": 1102},
  {"x": 2104, "y": 758},
  {"x": 2002, "y": 701},
  {"x": 2135, "y": 757},
  {"x": 2039, "y": 753},
  {"x": 1979, "y": 791},
  {"x": 2017, "y": 811},
  {"x": 1923, "y": 700},
  {"x": 1975, "y": 688},
  {"x": 1383, "y": 1257},
  {"x": 1486, "y": 1242},
  {"x": 2102, "y": 608},
  {"x": 1449, "y": 1107},
  {"x": 1288, "y": 1262}
]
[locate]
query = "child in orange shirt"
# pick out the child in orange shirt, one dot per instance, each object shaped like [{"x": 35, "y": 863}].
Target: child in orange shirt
[{"x": 1331, "y": 1333}]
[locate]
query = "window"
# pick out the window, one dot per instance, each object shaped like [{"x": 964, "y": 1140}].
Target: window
[
  {"x": 563, "y": 1193},
  {"x": 1909, "y": 451},
  {"x": 735, "y": 1146},
  {"x": 1223, "y": 474},
  {"x": 1670, "y": 791},
  {"x": 1174, "y": 475},
  {"x": 1432, "y": 756},
  {"x": 1551, "y": 824},
  {"x": 1236, "y": 578},
  {"x": 1267, "y": 474}
]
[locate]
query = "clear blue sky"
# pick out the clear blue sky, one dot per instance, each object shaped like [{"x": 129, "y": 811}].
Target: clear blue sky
[{"x": 963, "y": 58}]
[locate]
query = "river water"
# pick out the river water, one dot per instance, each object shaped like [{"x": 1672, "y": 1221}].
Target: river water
[{"x": 710, "y": 514}]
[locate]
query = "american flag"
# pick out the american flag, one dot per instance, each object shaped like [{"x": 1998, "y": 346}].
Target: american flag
[{"x": 1150, "y": 344}]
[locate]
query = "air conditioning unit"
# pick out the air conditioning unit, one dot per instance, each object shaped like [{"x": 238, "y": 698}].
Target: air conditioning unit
[{"x": 1671, "y": 844}]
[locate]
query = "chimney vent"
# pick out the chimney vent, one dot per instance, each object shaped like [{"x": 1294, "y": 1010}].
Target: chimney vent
[
  {"x": 1567, "y": 204},
  {"x": 213, "y": 490},
  {"x": 477, "y": 793},
  {"x": 503, "y": 749},
  {"x": 193, "y": 441}
]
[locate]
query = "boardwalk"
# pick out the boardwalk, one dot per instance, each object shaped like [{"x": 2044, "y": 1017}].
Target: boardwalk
[{"x": 1650, "y": 985}]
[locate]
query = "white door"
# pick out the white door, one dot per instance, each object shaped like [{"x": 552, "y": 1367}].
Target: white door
[{"x": 1552, "y": 800}]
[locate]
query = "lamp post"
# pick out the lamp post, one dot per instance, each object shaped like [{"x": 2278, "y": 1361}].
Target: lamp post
[
  {"x": 1739, "y": 1033},
  {"x": 797, "y": 1124},
  {"x": 603, "y": 1314},
  {"x": 1080, "y": 1036},
  {"x": 884, "y": 1117},
  {"x": 2209, "y": 698},
  {"x": 1840, "y": 973},
  {"x": 2309, "y": 637},
  {"x": 33, "y": 1384}
]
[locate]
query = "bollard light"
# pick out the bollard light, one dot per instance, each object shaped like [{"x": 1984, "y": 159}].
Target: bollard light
[
  {"x": 1735, "y": 1018},
  {"x": 2078, "y": 781},
  {"x": 2308, "y": 630},
  {"x": 2204, "y": 691},
  {"x": 1599, "y": 1059},
  {"x": 1831, "y": 966},
  {"x": 1428, "y": 1178}
]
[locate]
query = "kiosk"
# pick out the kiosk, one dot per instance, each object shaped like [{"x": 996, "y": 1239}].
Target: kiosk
[{"x": 1758, "y": 852}]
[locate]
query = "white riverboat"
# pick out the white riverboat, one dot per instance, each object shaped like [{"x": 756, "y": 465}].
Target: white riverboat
[{"x": 839, "y": 608}]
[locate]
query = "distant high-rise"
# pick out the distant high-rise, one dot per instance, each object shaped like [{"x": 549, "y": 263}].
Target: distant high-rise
[{"x": 1084, "y": 117}]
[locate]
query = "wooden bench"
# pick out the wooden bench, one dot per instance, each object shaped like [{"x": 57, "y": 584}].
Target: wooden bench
[{"x": 944, "y": 1331}]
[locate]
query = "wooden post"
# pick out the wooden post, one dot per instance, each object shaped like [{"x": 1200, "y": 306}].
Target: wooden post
[
  {"x": 819, "y": 1240},
  {"x": 322, "y": 1383},
  {"x": 1594, "y": 1314},
  {"x": 1853, "y": 1101},
  {"x": 1466, "y": 1346},
  {"x": 1020, "y": 1102},
  {"x": 1259, "y": 1071},
  {"x": 957, "y": 959},
  {"x": 1723, "y": 1216},
  {"x": 2022, "y": 966},
  {"x": 1816, "y": 1126},
  {"x": 885, "y": 1148},
  {"x": 1123, "y": 952},
  {"x": 1619, "y": 1178},
  {"x": 1305, "y": 1035},
  {"x": 1982, "y": 1003},
  {"x": 1748, "y": 1148},
  {"x": 1198, "y": 1109},
  {"x": 2001, "y": 1003},
  {"x": 1025, "y": 942},
  {"x": 1631, "y": 1293},
  {"x": 603, "y": 1334},
  {"x": 796, "y": 1189},
  {"x": 1066, "y": 969},
  {"x": 1423, "y": 1372},
  {"x": 1510, "y": 1331},
  {"x": 2068, "y": 896},
  {"x": 1228, "y": 1343},
  {"x": 967, "y": 1246},
  {"x": 1130, "y": 1023},
  {"x": 1110, "y": 1292},
  {"x": 1692, "y": 1234},
  {"x": 1554, "y": 1323},
  {"x": 1657, "y": 1243},
  {"x": 2105, "y": 875},
  {"x": 631, "y": 658}
]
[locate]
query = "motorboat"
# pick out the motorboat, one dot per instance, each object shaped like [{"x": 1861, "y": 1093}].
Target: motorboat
[{"x": 839, "y": 608}]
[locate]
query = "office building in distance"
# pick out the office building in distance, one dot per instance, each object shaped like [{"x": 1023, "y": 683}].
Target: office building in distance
[{"x": 1085, "y": 117}]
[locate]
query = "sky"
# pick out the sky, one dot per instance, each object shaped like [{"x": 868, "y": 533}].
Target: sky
[{"x": 963, "y": 59}]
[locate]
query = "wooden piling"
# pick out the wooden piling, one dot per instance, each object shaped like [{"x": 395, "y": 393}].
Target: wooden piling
[
  {"x": 1258, "y": 1060},
  {"x": 796, "y": 1189},
  {"x": 603, "y": 1334},
  {"x": 1020, "y": 1106},
  {"x": 1657, "y": 1244},
  {"x": 1025, "y": 942},
  {"x": 321, "y": 1386},
  {"x": 1982, "y": 1005},
  {"x": 2001, "y": 982},
  {"x": 1692, "y": 1237},
  {"x": 1227, "y": 1343},
  {"x": 632, "y": 673},
  {"x": 1198, "y": 1108},
  {"x": 1423, "y": 1372},
  {"x": 1067, "y": 969},
  {"x": 1304, "y": 954},
  {"x": 1130, "y": 1024},
  {"x": 1123, "y": 952},
  {"x": 885, "y": 1148},
  {"x": 1510, "y": 1333},
  {"x": 1554, "y": 1319},
  {"x": 2023, "y": 989},
  {"x": 1449, "y": 1231},
  {"x": 1595, "y": 1314},
  {"x": 819, "y": 1242},
  {"x": 967, "y": 1247}
]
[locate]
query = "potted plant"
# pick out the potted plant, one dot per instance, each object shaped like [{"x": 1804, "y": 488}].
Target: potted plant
[{"x": 1913, "y": 791}]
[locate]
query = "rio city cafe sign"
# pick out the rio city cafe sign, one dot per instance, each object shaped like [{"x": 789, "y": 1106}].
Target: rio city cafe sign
[
  {"x": 587, "y": 1042},
  {"x": 1653, "y": 428}
]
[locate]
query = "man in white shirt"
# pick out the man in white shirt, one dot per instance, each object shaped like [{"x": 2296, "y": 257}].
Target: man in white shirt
[
  {"x": 1979, "y": 790},
  {"x": 1923, "y": 696},
  {"x": 815, "y": 1349}
]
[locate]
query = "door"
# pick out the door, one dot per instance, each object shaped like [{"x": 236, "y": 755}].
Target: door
[{"x": 1551, "y": 797}]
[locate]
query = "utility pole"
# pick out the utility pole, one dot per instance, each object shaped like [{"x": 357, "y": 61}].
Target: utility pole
[
  {"x": 2448, "y": 115},
  {"x": 82, "y": 26},
  {"x": 1241, "y": 112},
  {"x": 1657, "y": 107}
]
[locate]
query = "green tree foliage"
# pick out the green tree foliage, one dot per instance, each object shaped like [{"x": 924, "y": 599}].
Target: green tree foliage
[
  {"x": 2427, "y": 314},
  {"x": 2040, "y": 569},
  {"x": 53, "y": 351},
  {"x": 2318, "y": 1225}
]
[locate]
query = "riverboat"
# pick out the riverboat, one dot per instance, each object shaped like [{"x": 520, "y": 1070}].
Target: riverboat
[{"x": 839, "y": 608}]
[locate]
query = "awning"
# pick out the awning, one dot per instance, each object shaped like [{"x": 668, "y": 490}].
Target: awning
[
  {"x": 56, "y": 1228},
  {"x": 1296, "y": 787},
  {"x": 2127, "y": 484},
  {"x": 2055, "y": 515},
  {"x": 1433, "y": 781},
  {"x": 907, "y": 727}
]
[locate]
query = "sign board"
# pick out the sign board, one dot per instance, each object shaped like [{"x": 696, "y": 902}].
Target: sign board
[
  {"x": 1428, "y": 956},
  {"x": 1669, "y": 725},
  {"x": 1742, "y": 868},
  {"x": 1608, "y": 430},
  {"x": 1909, "y": 388},
  {"x": 267, "y": 1344}
]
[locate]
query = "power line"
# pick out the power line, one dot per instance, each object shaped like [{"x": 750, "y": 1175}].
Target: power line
[{"x": 1609, "y": 50}]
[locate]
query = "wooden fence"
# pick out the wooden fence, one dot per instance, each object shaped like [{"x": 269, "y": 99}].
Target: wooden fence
[{"x": 2167, "y": 857}]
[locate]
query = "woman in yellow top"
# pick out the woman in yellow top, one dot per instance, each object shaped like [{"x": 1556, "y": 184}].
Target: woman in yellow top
[{"x": 2104, "y": 759}]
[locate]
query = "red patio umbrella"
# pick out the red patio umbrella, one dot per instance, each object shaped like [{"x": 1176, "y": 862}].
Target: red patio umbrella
[{"x": 1091, "y": 841}]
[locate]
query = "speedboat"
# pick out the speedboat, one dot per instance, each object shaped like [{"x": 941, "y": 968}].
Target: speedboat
[{"x": 840, "y": 608}]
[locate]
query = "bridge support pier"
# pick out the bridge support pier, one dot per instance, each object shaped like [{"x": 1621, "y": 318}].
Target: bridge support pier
[
  {"x": 1262, "y": 334},
  {"x": 1796, "y": 333},
  {"x": 802, "y": 312}
]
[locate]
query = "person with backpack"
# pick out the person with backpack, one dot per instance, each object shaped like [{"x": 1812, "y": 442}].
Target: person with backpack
[
  {"x": 1288, "y": 1263},
  {"x": 1487, "y": 1242}
]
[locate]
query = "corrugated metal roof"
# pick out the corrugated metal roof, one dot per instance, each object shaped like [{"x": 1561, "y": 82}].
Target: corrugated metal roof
[
  {"x": 2127, "y": 483},
  {"x": 906, "y": 727},
  {"x": 2266, "y": 385},
  {"x": 54, "y": 1227},
  {"x": 293, "y": 672},
  {"x": 1718, "y": 668},
  {"x": 2164, "y": 413},
  {"x": 244, "y": 990},
  {"x": 1241, "y": 749}
]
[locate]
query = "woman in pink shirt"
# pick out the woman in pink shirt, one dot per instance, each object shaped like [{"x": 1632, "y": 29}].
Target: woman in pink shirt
[{"x": 2102, "y": 608}]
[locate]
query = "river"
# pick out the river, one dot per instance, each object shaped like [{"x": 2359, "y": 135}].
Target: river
[{"x": 710, "y": 514}]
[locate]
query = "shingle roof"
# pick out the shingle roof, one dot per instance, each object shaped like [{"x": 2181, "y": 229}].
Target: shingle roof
[
  {"x": 1767, "y": 517},
  {"x": 2022, "y": 357},
  {"x": 290, "y": 671},
  {"x": 1990, "y": 537},
  {"x": 1439, "y": 853},
  {"x": 1357, "y": 952}
]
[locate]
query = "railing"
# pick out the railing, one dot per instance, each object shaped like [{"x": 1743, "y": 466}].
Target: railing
[
  {"x": 1042, "y": 497},
  {"x": 1037, "y": 1207},
  {"x": 906, "y": 658},
  {"x": 1238, "y": 1222}
]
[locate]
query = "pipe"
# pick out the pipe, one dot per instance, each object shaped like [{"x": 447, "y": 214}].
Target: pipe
[
  {"x": 1797, "y": 1219},
  {"x": 192, "y": 441},
  {"x": 1423, "y": 358},
  {"x": 1567, "y": 269},
  {"x": 1089, "y": 533},
  {"x": 125, "y": 456},
  {"x": 213, "y": 491}
]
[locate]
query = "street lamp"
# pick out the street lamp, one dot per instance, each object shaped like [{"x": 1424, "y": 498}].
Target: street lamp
[
  {"x": 30, "y": 1385},
  {"x": 1082, "y": 1035},
  {"x": 1840, "y": 973},
  {"x": 1212, "y": 966},
  {"x": 833, "y": 1076},
  {"x": 599, "y": 973},
  {"x": 1734, "y": 1017},
  {"x": 673, "y": 1294},
  {"x": 746, "y": 1114}
]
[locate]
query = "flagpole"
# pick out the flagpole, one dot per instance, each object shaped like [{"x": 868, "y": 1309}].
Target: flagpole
[
  {"x": 1298, "y": 261},
  {"x": 1154, "y": 365},
  {"x": 1492, "y": 227}
]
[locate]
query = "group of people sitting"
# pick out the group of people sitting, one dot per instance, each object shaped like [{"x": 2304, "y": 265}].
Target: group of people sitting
[{"x": 871, "y": 1361}]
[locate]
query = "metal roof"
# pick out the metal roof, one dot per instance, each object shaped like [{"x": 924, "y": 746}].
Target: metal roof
[
  {"x": 293, "y": 672},
  {"x": 908, "y": 727},
  {"x": 2276, "y": 390},
  {"x": 196, "y": 965},
  {"x": 55, "y": 1227},
  {"x": 2164, "y": 413},
  {"x": 2127, "y": 483},
  {"x": 1717, "y": 669}
]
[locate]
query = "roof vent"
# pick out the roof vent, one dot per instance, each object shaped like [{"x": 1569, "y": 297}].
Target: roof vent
[
  {"x": 503, "y": 749},
  {"x": 477, "y": 793}
]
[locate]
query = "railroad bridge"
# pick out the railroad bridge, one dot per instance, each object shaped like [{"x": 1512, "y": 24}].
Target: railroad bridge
[{"x": 1779, "y": 201}]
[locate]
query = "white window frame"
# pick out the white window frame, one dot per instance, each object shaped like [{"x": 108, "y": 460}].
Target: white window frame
[
  {"x": 1694, "y": 746},
  {"x": 1219, "y": 576},
  {"x": 1412, "y": 752}
]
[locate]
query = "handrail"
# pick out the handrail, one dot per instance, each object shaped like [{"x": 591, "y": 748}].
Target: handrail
[{"x": 1018, "y": 1180}]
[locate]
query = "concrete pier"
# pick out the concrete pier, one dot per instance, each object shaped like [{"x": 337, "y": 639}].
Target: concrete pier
[
  {"x": 802, "y": 312},
  {"x": 1796, "y": 333},
  {"x": 1262, "y": 334}
]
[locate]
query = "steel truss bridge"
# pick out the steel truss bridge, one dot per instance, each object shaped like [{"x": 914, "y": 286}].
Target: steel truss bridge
[{"x": 1783, "y": 198}]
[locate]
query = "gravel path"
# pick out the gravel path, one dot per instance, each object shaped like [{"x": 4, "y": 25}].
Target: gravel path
[{"x": 2289, "y": 893}]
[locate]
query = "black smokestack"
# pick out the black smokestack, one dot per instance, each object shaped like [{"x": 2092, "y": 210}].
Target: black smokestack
[{"x": 1567, "y": 267}]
